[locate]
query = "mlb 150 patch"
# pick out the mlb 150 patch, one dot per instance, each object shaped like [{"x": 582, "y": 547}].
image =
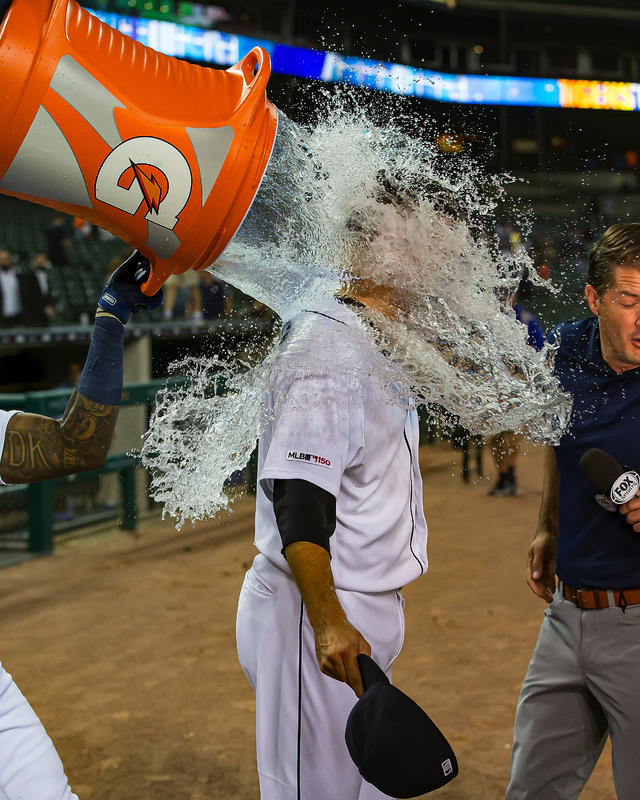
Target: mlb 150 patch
[{"x": 309, "y": 458}]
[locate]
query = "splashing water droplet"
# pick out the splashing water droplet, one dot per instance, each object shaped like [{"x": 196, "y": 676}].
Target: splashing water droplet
[{"x": 353, "y": 208}]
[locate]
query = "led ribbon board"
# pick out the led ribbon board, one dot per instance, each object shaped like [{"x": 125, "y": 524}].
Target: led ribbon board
[{"x": 224, "y": 49}]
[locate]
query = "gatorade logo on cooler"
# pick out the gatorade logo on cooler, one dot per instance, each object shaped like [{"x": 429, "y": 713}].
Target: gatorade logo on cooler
[
  {"x": 147, "y": 178},
  {"x": 130, "y": 178},
  {"x": 149, "y": 173}
]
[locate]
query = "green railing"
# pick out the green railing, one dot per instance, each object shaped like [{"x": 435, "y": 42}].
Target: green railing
[
  {"x": 40, "y": 495},
  {"x": 53, "y": 401},
  {"x": 40, "y": 500}
]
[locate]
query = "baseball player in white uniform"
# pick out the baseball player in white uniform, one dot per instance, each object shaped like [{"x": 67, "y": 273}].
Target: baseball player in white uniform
[
  {"x": 32, "y": 448},
  {"x": 340, "y": 529}
]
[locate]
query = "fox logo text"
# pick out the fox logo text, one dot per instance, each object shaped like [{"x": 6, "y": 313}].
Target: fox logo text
[{"x": 625, "y": 487}]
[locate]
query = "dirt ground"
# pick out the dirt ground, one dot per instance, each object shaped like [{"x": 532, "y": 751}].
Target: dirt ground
[{"x": 125, "y": 646}]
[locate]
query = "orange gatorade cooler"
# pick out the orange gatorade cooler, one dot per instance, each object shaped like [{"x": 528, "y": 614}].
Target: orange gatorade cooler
[{"x": 164, "y": 154}]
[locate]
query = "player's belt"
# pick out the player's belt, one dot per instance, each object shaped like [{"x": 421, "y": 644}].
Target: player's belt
[{"x": 601, "y": 598}]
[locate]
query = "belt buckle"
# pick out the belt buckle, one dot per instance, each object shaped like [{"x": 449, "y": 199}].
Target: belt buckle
[
  {"x": 572, "y": 594},
  {"x": 594, "y": 594},
  {"x": 577, "y": 597}
]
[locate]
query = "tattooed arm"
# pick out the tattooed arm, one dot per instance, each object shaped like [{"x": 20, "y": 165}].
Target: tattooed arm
[{"x": 37, "y": 447}]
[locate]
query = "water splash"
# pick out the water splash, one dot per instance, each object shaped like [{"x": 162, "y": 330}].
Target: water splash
[
  {"x": 371, "y": 212},
  {"x": 200, "y": 432}
]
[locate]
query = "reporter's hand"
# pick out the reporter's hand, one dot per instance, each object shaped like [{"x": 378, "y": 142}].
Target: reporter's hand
[
  {"x": 541, "y": 566},
  {"x": 338, "y": 645},
  {"x": 631, "y": 510},
  {"x": 122, "y": 296}
]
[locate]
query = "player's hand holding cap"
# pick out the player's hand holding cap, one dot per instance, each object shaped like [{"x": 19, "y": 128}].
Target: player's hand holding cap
[
  {"x": 394, "y": 744},
  {"x": 122, "y": 295}
]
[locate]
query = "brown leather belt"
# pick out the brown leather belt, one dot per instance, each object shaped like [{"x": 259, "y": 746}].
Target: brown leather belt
[{"x": 599, "y": 598}]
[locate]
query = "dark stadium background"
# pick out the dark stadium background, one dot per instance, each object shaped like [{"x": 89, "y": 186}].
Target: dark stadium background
[{"x": 580, "y": 171}]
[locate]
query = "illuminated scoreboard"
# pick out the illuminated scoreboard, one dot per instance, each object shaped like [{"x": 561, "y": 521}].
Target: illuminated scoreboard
[
  {"x": 608, "y": 95},
  {"x": 225, "y": 49}
]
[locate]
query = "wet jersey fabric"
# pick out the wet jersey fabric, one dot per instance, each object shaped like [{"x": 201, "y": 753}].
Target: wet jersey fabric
[{"x": 347, "y": 432}]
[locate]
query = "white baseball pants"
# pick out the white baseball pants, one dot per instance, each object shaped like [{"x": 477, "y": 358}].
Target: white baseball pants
[
  {"x": 30, "y": 768},
  {"x": 301, "y": 714}
]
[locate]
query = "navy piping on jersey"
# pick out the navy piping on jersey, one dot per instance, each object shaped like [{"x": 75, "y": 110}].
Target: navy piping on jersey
[
  {"x": 404, "y": 433},
  {"x": 299, "y": 795},
  {"x": 413, "y": 519},
  {"x": 306, "y": 311}
]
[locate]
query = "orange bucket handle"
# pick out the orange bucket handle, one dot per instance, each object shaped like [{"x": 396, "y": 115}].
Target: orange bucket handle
[
  {"x": 252, "y": 66},
  {"x": 255, "y": 70}
]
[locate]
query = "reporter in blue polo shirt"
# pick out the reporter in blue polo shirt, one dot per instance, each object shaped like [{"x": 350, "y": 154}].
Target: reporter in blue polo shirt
[{"x": 583, "y": 682}]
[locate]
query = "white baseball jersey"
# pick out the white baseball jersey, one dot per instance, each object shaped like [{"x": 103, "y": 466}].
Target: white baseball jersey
[
  {"x": 30, "y": 768},
  {"x": 343, "y": 430},
  {"x": 333, "y": 419},
  {"x": 5, "y": 416}
]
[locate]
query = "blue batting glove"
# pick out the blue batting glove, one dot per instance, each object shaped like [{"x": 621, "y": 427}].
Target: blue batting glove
[{"x": 122, "y": 296}]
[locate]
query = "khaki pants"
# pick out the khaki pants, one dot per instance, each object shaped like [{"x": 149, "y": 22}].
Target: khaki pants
[{"x": 583, "y": 684}]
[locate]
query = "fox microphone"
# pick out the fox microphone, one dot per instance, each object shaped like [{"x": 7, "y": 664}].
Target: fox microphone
[{"x": 613, "y": 483}]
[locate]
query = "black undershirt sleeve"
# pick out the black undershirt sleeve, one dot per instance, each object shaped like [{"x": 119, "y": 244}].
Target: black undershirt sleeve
[{"x": 304, "y": 512}]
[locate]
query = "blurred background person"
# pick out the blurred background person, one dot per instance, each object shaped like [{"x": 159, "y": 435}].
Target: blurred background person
[
  {"x": 71, "y": 376},
  {"x": 56, "y": 237},
  {"x": 10, "y": 301},
  {"x": 505, "y": 446},
  {"x": 215, "y": 296},
  {"x": 35, "y": 293},
  {"x": 182, "y": 296},
  {"x": 82, "y": 229}
]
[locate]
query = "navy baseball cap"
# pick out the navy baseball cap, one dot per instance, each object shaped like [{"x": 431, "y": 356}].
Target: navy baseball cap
[{"x": 391, "y": 740}]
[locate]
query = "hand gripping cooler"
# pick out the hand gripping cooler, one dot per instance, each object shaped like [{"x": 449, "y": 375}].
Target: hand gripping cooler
[{"x": 164, "y": 154}]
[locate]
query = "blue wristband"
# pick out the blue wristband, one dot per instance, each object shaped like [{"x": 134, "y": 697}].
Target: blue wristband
[
  {"x": 101, "y": 379},
  {"x": 111, "y": 302}
]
